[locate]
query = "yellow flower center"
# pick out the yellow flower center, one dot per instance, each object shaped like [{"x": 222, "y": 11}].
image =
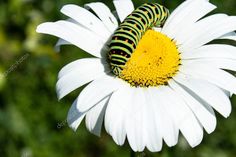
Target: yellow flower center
[{"x": 155, "y": 61}]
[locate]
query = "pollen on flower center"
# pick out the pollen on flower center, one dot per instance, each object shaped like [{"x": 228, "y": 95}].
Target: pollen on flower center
[{"x": 155, "y": 61}]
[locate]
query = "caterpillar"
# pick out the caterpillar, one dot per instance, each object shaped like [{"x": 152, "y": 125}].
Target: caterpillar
[{"x": 128, "y": 34}]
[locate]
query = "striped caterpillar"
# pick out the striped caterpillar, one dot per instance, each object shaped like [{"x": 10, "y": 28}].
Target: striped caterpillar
[{"x": 126, "y": 38}]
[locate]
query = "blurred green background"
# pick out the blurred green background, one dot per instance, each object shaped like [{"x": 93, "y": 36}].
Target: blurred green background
[{"x": 32, "y": 121}]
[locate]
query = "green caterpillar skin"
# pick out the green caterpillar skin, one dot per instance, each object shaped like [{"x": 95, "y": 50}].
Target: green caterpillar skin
[{"x": 127, "y": 36}]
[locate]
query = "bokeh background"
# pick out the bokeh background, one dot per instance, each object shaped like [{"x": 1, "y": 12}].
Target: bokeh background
[{"x": 32, "y": 120}]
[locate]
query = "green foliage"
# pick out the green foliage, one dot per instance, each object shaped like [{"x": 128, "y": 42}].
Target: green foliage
[{"x": 32, "y": 121}]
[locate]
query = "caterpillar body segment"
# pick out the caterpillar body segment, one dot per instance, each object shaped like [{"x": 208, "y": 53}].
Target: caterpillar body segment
[{"x": 126, "y": 38}]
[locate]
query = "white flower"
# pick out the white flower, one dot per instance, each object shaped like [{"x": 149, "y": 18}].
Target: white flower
[{"x": 148, "y": 115}]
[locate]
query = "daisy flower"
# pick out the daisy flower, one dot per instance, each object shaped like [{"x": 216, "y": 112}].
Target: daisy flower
[{"x": 173, "y": 81}]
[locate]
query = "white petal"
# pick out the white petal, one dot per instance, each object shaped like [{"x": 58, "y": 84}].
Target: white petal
[
  {"x": 182, "y": 116},
  {"x": 85, "y": 62},
  {"x": 230, "y": 36},
  {"x": 152, "y": 136},
  {"x": 134, "y": 123},
  {"x": 209, "y": 93},
  {"x": 86, "y": 19},
  {"x": 203, "y": 112},
  {"x": 123, "y": 8},
  {"x": 74, "y": 34},
  {"x": 190, "y": 12},
  {"x": 177, "y": 12},
  {"x": 94, "y": 117},
  {"x": 154, "y": 130},
  {"x": 74, "y": 117},
  {"x": 116, "y": 113},
  {"x": 62, "y": 42},
  {"x": 59, "y": 43},
  {"x": 220, "y": 63},
  {"x": 216, "y": 76},
  {"x": 206, "y": 30},
  {"x": 197, "y": 27},
  {"x": 104, "y": 13},
  {"x": 212, "y": 51},
  {"x": 78, "y": 73},
  {"x": 96, "y": 91},
  {"x": 168, "y": 130}
]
